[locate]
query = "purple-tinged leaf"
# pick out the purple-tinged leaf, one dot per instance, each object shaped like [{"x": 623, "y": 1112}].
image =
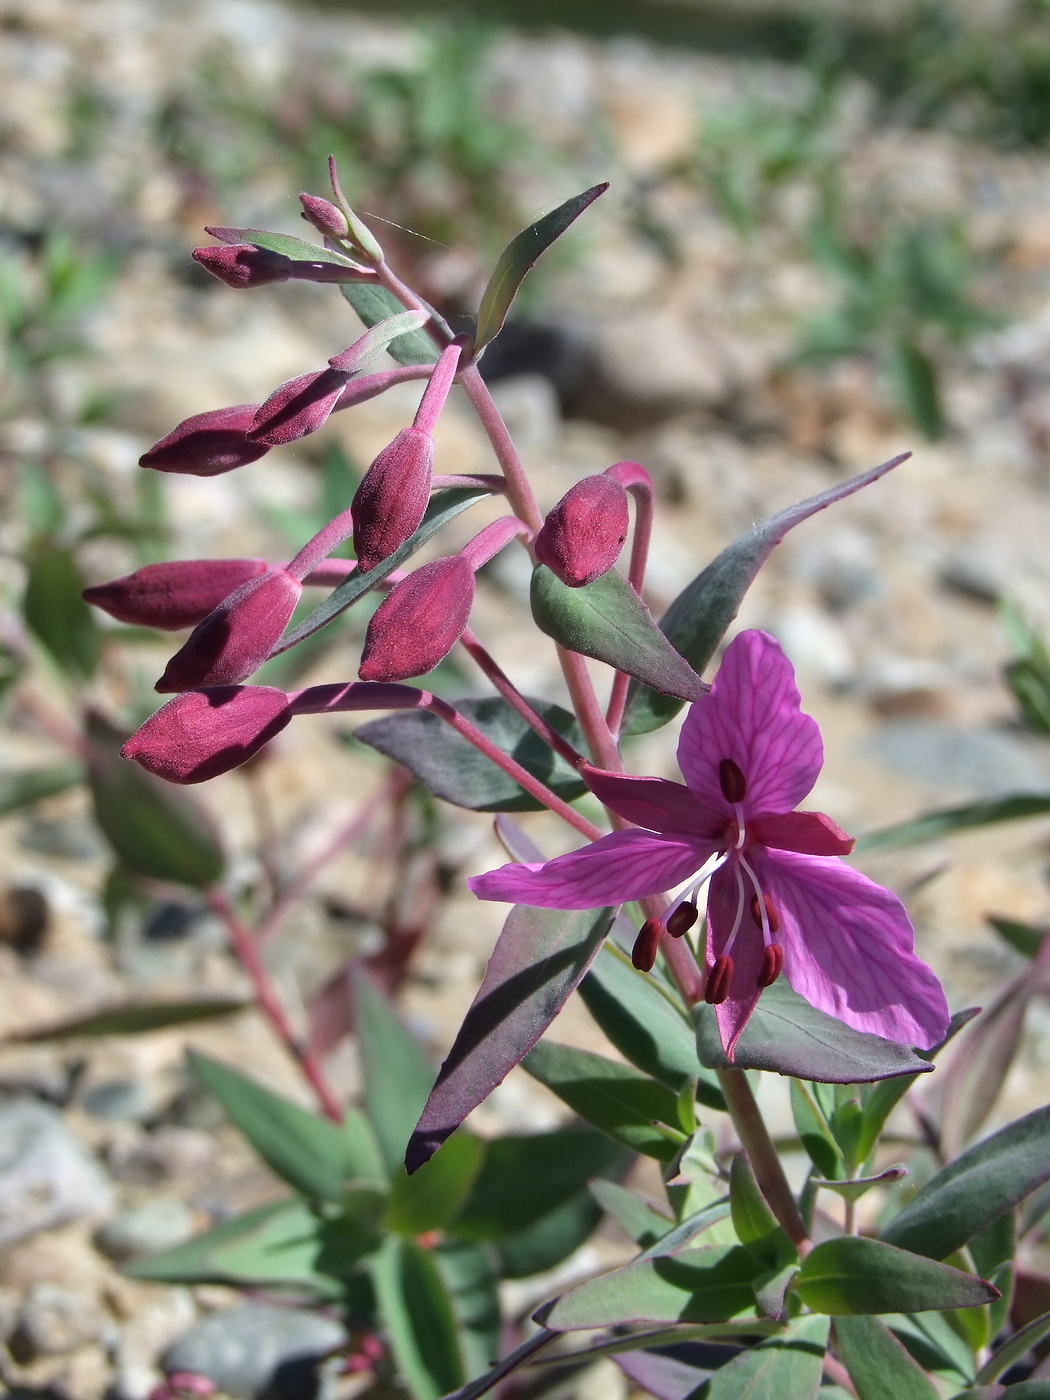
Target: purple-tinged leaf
[
  {"x": 788, "y": 1365},
  {"x": 664, "y": 1377},
  {"x": 519, "y": 255},
  {"x": 697, "y": 620},
  {"x": 606, "y": 619},
  {"x": 853, "y": 1275},
  {"x": 133, "y": 1018},
  {"x": 537, "y": 963},
  {"x": 518, "y": 844},
  {"x": 374, "y": 303},
  {"x": 287, "y": 246},
  {"x": 931, "y": 826},
  {"x": 973, "y": 1079}
]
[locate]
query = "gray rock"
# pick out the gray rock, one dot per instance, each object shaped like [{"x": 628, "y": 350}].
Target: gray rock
[
  {"x": 56, "y": 1320},
  {"x": 258, "y": 1352},
  {"x": 47, "y": 1176},
  {"x": 971, "y": 762},
  {"x": 120, "y": 1099},
  {"x": 159, "y": 1224}
]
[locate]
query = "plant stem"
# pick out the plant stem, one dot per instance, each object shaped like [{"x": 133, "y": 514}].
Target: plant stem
[
  {"x": 756, "y": 1142},
  {"x": 519, "y": 492},
  {"x": 640, "y": 487},
  {"x": 247, "y": 954}
]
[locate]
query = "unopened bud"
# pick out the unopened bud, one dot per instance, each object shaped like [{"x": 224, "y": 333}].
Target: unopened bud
[
  {"x": 203, "y": 733},
  {"x": 718, "y": 980},
  {"x": 643, "y": 954},
  {"x": 208, "y": 444},
  {"x": 298, "y": 408},
  {"x": 392, "y": 498},
  {"x": 582, "y": 536},
  {"x": 772, "y": 965},
  {"x": 419, "y": 622},
  {"x": 324, "y": 216},
  {"x": 682, "y": 920},
  {"x": 243, "y": 266},
  {"x": 177, "y": 594},
  {"x": 236, "y": 637}
]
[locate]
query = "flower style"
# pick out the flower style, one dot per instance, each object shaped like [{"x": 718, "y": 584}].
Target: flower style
[{"x": 780, "y": 897}]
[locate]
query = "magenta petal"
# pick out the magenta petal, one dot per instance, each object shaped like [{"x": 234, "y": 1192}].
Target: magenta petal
[
  {"x": 656, "y": 804},
  {"x": 752, "y": 716},
  {"x": 746, "y": 952},
  {"x": 625, "y": 865},
  {"x": 812, "y": 833},
  {"x": 849, "y": 948}
]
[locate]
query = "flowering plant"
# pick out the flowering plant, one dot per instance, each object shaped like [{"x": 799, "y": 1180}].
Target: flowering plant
[{"x": 798, "y": 964}]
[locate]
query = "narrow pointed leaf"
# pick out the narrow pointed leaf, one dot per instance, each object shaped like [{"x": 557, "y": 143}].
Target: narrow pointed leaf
[
  {"x": 57, "y": 613},
  {"x": 697, "y": 620},
  {"x": 755, "y": 1224},
  {"x": 374, "y": 304},
  {"x": 646, "y": 1029},
  {"x": 607, "y": 620},
  {"x": 612, "y": 1097},
  {"x": 298, "y": 249},
  {"x": 690, "y": 1226},
  {"x": 136, "y": 1018},
  {"x": 443, "y": 507},
  {"x": 976, "y": 1188},
  {"x": 549, "y": 1241},
  {"x": 854, "y": 1275},
  {"x": 788, "y": 1365},
  {"x": 878, "y": 1365},
  {"x": 537, "y": 963},
  {"x": 1024, "y": 938},
  {"x": 1013, "y": 1350},
  {"x": 787, "y": 1035},
  {"x": 469, "y": 1274},
  {"x": 519, "y": 255},
  {"x": 454, "y": 770},
  {"x": 771, "y": 1289},
  {"x": 633, "y": 1213},
  {"x": 418, "y": 1318},
  {"x": 813, "y": 1131},
  {"x": 430, "y": 1198},
  {"x": 309, "y": 1152},
  {"x": 858, "y": 1186},
  {"x": 933, "y": 825},
  {"x": 22, "y": 787},
  {"x": 710, "y": 1284},
  {"x": 398, "y": 1077}
]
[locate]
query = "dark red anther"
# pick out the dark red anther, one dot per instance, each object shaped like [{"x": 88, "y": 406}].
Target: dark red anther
[
  {"x": 643, "y": 954},
  {"x": 771, "y": 913},
  {"x": 731, "y": 780},
  {"x": 682, "y": 920},
  {"x": 772, "y": 964},
  {"x": 718, "y": 980}
]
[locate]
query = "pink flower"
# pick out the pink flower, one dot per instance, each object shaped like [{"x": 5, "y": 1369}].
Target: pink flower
[{"x": 780, "y": 896}]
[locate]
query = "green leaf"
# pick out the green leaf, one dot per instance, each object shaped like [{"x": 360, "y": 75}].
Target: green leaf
[
  {"x": 133, "y": 1019},
  {"x": 470, "y": 1277},
  {"x": 1026, "y": 939},
  {"x": 546, "y": 1243},
  {"x": 1029, "y": 679},
  {"x": 310, "y": 1153},
  {"x": 710, "y": 1284},
  {"x": 992, "y": 1252},
  {"x": 935, "y": 1344},
  {"x": 1014, "y": 1349},
  {"x": 644, "y": 1026},
  {"x": 813, "y": 1131},
  {"x": 524, "y": 1178},
  {"x": 25, "y": 786},
  {"x": 1020, "y": 1390},
  {"x": 852, "y": 1275},
  {"x": 633, "y": 1213},
  {"x": 697, "y": 620},
  {"x": 520, "y": 255},
  {"x": 933, "y": 825},
  {"x": 58, "y": 615},
  {"x": 374, "y": 304},
  {"x": 614, "y": 1098},
  {"x": 606, "y": 619},
  {"x": 155, "y": 829},
  {"x": 878, "y": 1365},
  {"x": 444, "y": 506},
  {"x": 432, "y": 1195},
  {"x": 789, "y": 1365},
  {"x": 280, "y": 1244},
  {"x": 975, "y": 1189},
  {"x": 298, "y": 249},
  {"x": 914, "y": 377},
  {"x": 398, "y": 1077},
  {"x": 418, "y": 1318},
  {"x": 789, "y": 1036},
  {"x": 771, "y": 1289},
  {"x": 852, "y": 1188},
  {"x": 755, "y": 1224},
  {"x": 453, "y": 769}
]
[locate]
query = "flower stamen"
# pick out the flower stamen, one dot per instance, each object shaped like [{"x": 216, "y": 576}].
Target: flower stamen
[
  {"x": 718, "y": 980},
  {"x": 643, "y": 954},
  {"x": 732, "y": 781},
  {"x": 682, "y": 919},
  {"x": 772, "y": 964}
]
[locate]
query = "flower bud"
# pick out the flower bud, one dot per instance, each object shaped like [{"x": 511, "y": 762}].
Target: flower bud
[
  {"x": 242, "y": 266},
  {"x": 177, "y": 594},
  {"x": 208, "y": 444},
  {"x": 419, "y": 621},
  {"x": 582, "y": 536},
  {"x": 236, "y": 637},
  {"x": 324, "y": 216},
  {"x": 203, "y": 733},
  {"x": 392, "y": 498},
  {"x": 298, "y": 408}
]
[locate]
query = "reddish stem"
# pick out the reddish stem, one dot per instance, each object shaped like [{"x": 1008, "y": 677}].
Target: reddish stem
[{"x": 635, "y": 479}]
